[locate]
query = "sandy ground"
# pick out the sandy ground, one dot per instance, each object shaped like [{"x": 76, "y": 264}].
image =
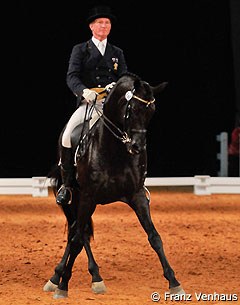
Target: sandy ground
[{"x": 200, "y": 236}]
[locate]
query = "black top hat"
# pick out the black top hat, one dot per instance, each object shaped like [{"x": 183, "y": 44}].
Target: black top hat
[{"x": 100, "y": 12}]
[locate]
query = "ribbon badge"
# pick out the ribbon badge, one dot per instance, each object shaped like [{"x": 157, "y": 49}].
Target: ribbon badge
[{"x": 115, "y": 63}]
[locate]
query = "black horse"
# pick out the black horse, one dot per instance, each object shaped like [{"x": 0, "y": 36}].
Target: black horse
[{"x": 111, "y": 165}]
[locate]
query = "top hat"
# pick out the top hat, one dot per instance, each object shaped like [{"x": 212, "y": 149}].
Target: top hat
[{"x": 100, "y": 12}]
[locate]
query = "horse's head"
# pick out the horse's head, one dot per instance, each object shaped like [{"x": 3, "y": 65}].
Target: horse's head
[{"x": 134, "y": 106}]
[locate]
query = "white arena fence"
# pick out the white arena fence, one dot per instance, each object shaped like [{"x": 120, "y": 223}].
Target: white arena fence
[{"x": 202, "y": 185}]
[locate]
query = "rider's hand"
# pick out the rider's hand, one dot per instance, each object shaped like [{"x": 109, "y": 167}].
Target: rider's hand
[
  {"x": 89, "y": 95},
  {"x": 109, "y": 87}
]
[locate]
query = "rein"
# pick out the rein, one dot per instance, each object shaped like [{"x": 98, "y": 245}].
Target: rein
[{"x": 124, "y": 138}]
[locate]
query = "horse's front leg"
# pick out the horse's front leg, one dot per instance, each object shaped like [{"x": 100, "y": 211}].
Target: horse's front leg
[
  {"x": 70, "y": 213},
  {"x": 54, "y": 281},
  {"x": 52, "y": 284},
  {"x": 140, "y": 204},
  {"x": 58, "y": 283},
  {"x": 79, "y": 238},
  {"x": 76, "y": 245}
]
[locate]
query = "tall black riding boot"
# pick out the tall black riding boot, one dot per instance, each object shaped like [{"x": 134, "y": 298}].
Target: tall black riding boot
[{"x": 67, "y": 171}]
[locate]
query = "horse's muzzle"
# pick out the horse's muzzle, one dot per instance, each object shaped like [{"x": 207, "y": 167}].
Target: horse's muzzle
[
  {"x": 135, "y": 148},
  {"x": 138, "y": 141}
]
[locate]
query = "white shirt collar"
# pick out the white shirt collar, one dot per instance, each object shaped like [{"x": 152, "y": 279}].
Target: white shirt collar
[{"x": 96, "y": 41}]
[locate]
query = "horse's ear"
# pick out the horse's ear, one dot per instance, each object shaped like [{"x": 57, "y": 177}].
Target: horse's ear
[
  {"x": 159, "y": 88},
  {"x": 137, "y": 83}
]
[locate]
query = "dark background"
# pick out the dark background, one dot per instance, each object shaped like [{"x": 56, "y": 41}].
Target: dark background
[{"x": 190, "y": 44}]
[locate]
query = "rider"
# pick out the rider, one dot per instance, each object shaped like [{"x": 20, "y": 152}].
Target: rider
[{"x": 90, "y": 70}]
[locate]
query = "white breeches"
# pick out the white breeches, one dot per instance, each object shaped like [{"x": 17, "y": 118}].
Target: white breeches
[{"x": 78, "y": 118}]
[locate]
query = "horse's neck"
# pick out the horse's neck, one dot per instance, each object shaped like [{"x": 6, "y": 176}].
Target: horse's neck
[
  {"x": 111, "y": 131},
  {"x": 110, "y": 137}
]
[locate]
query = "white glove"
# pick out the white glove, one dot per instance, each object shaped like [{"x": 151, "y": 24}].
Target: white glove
[
  {"x": 109, "y": 87},
  {"x": 89, "y": 95}
]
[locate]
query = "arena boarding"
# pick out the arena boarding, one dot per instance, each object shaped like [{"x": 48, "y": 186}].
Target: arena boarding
[{"x": 201, "y": 185}]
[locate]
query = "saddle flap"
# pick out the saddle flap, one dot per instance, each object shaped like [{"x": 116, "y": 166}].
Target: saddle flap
[{"x": 80, "y": 139}]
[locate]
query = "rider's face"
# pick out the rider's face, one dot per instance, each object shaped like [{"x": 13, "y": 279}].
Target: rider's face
[{"x": 101, "y": 28}]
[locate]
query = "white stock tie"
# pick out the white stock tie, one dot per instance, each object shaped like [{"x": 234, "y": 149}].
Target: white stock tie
[{"x": 101, "y": 47}]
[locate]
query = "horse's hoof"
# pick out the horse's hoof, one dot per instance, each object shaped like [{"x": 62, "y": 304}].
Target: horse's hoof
[
  {"x": 177, "y": 290},
  {"x": 49, "y": 286},
  {"x": 99, "y": 287},
  {"x": 60, "y": 294}
]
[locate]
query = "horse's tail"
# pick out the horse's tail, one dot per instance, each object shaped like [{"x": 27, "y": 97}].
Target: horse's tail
[
  {"x": 55, "y": 178},
  {"x": 90, "y": 229}
]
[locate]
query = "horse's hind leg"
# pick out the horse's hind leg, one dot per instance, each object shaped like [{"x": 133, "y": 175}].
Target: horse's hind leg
[
  {"x": 98, "y": 285},
  {"x": 140, "y": 205}
]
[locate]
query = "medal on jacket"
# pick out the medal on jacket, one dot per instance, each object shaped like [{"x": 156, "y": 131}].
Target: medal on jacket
[{"x": 115, "y": 63}]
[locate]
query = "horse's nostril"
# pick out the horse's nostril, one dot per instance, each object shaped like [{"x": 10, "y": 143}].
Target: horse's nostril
[{"x": 136, "y": 148}]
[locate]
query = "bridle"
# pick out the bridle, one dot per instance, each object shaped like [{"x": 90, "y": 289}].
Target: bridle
[
  {"x": 123, "y": 137},
  {"x": 130, "y": 94}
]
